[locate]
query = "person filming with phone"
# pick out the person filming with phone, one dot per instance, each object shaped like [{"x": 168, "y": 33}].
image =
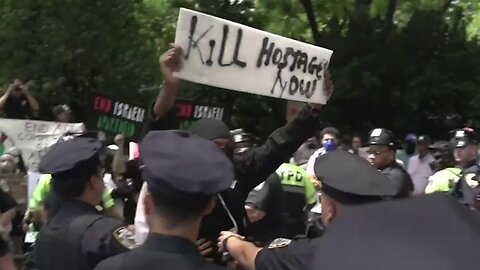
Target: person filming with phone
[{"x": 18, "y": 102}]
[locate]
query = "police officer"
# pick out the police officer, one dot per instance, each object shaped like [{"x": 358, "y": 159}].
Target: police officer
[
  {"x": 446, "y": 173},
  {"x": 465, "y": 153},
  {"x": 278, "y": 207},
  {"x": 184, "y": 174},
  {"x": 424, "y": 232},
  {"x": 346, "y": 180},
  {"x": 381, "y": 154},
  {"x": 78, "y": 236}
]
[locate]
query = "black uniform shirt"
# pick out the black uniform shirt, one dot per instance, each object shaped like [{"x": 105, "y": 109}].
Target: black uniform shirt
[
  {"x": 162, "y": 252},
  {"x": 284, "y": 254},
  {"x": 103, "y": 238},
  {"x": 400, "y": 178}
]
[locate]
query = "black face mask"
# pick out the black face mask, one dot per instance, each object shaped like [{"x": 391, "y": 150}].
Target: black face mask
[{"x": 410, "y": 148}]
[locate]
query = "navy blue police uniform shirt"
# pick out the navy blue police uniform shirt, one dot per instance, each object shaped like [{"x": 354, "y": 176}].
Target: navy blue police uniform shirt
[
  {"x": 165, "y": 157},
  {"x": 78, "y": 236}
]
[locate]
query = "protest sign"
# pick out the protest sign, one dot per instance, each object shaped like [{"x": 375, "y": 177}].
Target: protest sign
[
  {"x": 229, "y": 55},
  {"x": 189, "y": 111},
  {"x": 117, "y": 117},
  {"x": 34, "y": 138}
]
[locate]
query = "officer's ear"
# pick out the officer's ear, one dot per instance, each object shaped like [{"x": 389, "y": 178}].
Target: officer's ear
[
  {"x": 148, "y": 204},
  {"x": 210, "y": 206},
  {"x": 329, "y": 209}
]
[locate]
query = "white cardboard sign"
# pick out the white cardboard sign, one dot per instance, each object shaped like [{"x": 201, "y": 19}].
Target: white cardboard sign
[
  {"x": 229, "y": 55},
  {"x": 34, "y": 138}
]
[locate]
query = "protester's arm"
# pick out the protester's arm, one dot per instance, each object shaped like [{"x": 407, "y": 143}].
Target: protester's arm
[
  {"x": 8, "y": 208},
  {"x": 7, "y": 217},
  {"x": 4, "y": 98},
  {"x": 170, "y": 62},
  {"x": 260, "y": 162},
  {"x": 118, "y": 163},
  {"x": 31, "y": 99}
]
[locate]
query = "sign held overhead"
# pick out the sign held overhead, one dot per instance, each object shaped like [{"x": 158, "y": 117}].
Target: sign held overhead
[{"x": 229, "y": 55}]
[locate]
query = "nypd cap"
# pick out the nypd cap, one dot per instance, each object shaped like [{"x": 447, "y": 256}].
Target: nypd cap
[
  {"x": 181, "y": 163},
  {"x": 350, "y": 179},
  {"x": 383, "y": 137},
  {"x": 65, "y": 156}
]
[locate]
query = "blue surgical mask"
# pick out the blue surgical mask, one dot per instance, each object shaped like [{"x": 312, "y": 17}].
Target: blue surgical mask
[{"x": 329, "y": 145}]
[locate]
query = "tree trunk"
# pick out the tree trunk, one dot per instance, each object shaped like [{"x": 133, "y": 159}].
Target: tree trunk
[{"x": 307, "y": 5}]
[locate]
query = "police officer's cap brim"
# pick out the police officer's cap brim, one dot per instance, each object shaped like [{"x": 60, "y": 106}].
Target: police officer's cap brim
[
  {"x": 346, "y": 176},
  {"x": 65, "y": 156},
  {"x": 181, "y": 163},
  {"x": 424, "y": 232}
]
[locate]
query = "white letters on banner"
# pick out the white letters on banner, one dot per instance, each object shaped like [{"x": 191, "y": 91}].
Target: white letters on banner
[
  {"x": 229, "y": 55},
  {"x": 34, "y": 138}
]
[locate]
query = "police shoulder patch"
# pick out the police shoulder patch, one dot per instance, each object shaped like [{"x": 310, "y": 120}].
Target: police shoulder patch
[
  {"x": 125, "y": 237},
  {"x": 279, "y": 243},
  {"x": 469, "y": 180}
]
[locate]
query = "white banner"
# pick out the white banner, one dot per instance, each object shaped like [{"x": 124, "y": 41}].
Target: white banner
[
  {"x": 34, "y": 138},
  {"x": 229, "y": 55}
]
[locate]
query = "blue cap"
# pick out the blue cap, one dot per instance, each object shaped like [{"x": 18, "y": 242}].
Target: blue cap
[
  {"x": 67, "y": 155},
  {"x": 181, "y": 163},
  {"x": 412, "y": 138}
]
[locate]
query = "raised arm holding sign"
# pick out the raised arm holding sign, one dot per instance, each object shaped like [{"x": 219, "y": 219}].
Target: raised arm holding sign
[{"x": 229, "y": 55}]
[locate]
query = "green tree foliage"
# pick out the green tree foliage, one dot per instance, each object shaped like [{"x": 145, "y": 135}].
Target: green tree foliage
[{"x": 410, "y": 65}]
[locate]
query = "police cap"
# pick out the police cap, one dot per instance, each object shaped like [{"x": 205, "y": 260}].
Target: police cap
[
  {"x": 462, "y": 137},
  {"x": 384, "y": 137},
  {"x": 210, "y": 129},
  {"x": 180, "y": 163},
  {"x": 65, "y": 156},
  {"x": 350, "y": 179},
  {"x": 424, "y": 139},
  {"x": 423, "y": 232},
  {"x": 440, "y": 146}
]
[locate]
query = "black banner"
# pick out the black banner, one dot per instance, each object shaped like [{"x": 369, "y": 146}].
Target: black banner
[
  {"x": 118, "y": 117},
  {"x": 190, "y": 111}
]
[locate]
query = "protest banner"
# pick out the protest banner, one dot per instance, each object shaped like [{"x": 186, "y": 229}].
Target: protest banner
[
  {"x": 229, "y": 55},
  {"x": 34, "y": 138},
  {"x": 117, "y": 117},
  {"x": 189, "y": 111}
]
